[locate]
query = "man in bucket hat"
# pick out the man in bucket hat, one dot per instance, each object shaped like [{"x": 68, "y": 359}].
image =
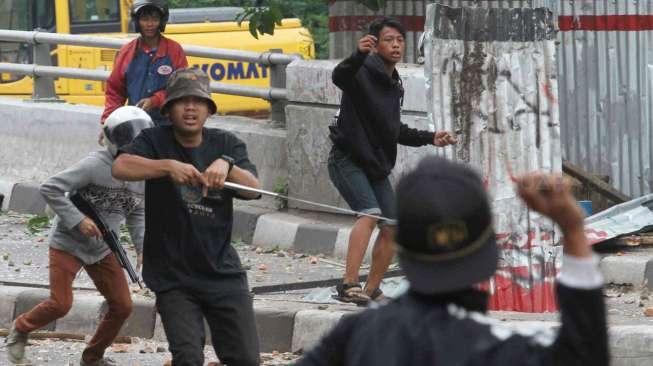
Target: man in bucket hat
[
  {"x": 188, "y": 260},
  {"x": 446, "y": 246}
]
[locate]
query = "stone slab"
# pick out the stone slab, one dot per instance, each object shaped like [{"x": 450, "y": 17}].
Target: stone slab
[
  {"x": 26, "y": 198},
  {"x": 315, "y": 239},
  {"x": 245, "y": 219},
  {"x": 142, "y": 319},
  {"x": 275, "y": 329},
  {"x": 84, "y": 316},
  {"x": 310, "y": 326},
  {"x": 27, "y": 299}
]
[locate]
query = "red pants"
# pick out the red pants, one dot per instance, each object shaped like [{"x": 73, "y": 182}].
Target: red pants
[{"x": 109, "y": 279}]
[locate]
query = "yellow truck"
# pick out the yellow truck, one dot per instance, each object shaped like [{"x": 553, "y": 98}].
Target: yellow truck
[{"x": 211, "y": 27}]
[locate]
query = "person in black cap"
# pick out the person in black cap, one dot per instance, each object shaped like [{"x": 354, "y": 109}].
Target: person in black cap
[
  {"x": 446, "y": 246},
  {"x": 188, "y": 259}
]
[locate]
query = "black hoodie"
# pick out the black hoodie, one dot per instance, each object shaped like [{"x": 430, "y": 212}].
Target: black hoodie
[{"x": 369, "y": 124}]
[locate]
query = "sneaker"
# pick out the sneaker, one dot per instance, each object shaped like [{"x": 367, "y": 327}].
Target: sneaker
[
  {"x": 16, "y": 342},
  {"x": 107, "y": 361}
]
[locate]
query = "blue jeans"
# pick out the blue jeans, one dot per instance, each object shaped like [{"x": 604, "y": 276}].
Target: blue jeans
[{"x": 361, "y": 194}]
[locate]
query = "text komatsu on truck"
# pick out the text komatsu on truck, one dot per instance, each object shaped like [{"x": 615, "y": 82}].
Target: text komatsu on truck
[{"x": 211, "y": 27}]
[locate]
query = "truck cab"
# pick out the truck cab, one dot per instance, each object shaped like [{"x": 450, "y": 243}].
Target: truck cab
[{"x": 211, "y": 27}]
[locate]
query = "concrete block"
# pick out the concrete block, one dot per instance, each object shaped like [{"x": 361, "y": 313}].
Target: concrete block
[
  {"x": 624, "y": 269},
  {"x": 8, "y": 296},
  {"x": 27, "y": 299},
  {"x": 631, "y": 345},
  {"x": 315, "y": 239},
  {"x": 310, "y": 82},
  {"x": 84, "y": 316},
  {"x": 311, "y": 326},
  {"x": 308, "y": 152},
  {"x": 25, "y": 198},
  {"x": 141, "y": 321},
  {"x": 275, "y": 329},
  {"x": 40, "y": 139},
  {"x": 245, "y": 218},
  {"x": 276, "y": 230},
  {"x": 6, "y": 188}
]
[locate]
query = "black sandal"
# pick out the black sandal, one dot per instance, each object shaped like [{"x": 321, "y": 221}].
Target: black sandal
[{"x": 352, "y": 293}]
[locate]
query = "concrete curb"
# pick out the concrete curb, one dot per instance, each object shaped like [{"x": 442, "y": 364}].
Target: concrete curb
[{"x": 280, "y": 330}]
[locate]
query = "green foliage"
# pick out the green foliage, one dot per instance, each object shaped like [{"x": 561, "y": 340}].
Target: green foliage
[
  {"x": 281, "y": 187},
  {"x": 37, "y": 223},
  {"x": 261, "y": 20}
]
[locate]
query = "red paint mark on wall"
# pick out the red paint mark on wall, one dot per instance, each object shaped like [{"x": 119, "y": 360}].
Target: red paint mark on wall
[
  {"x": 631, "y": 22},
  {"x": 548, "y": 93}
]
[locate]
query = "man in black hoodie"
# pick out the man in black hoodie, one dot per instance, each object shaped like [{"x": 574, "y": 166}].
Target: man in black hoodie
[
  {"x": 364, "y": 151},
  {"x": 446, "y": 244}
]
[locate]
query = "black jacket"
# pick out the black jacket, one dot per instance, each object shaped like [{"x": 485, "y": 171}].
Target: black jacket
[
  {"x": 369, "y": 124},
  {"x": 415, "y": 331}
]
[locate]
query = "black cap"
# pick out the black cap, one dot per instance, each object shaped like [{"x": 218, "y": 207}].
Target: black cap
[{"x": 445, "y": 236}]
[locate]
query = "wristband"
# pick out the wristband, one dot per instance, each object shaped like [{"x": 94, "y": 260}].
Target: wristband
[{"x": 229, "y": 160}]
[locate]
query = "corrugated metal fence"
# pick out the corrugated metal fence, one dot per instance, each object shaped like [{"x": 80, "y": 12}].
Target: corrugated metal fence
[
  {"x": 605, "y": 65},
  {"x": 605, "y": 71}
]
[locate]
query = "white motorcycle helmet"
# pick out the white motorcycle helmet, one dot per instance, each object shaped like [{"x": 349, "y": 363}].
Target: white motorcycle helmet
[{"x": 123, "y": 125}]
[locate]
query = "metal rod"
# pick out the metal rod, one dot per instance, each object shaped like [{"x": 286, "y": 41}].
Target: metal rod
[
  {"x": 240, "y": 187},
  {"x": 265, "y": 58},
  {"x": 102, "y": 75}
]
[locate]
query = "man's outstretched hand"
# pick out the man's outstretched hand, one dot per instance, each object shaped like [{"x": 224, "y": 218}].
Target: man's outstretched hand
[{"x": 444, "y": 138}]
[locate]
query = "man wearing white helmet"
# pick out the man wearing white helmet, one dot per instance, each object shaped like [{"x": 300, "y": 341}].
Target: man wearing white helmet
[{"x": 76, "y": 242}]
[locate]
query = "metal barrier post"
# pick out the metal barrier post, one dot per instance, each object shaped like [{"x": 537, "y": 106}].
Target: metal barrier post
[
  {"x": 43, "y": 86},
  {"x": 278, "y": 80}
]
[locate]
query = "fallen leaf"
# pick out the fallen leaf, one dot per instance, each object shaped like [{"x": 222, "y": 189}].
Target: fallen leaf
[
  {"x": 120, "y": 348},
  {"x": 648, "y": 311},
  {"x": 262, "y": 267},
  {"x": 313, "y": 259}
]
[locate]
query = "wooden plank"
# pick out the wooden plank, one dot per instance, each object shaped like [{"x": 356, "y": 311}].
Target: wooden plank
[{"x": 593, "y": 182}]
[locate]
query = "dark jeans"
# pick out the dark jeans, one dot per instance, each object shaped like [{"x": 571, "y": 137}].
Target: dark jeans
[
  {"x": 231, "y": 321},
  {"x": 360, "y": 193}
]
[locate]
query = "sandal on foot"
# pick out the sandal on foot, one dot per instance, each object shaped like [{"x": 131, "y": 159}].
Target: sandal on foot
[
  {"x": 378, "y": 296},
  {"x": 351, "y": 292}
]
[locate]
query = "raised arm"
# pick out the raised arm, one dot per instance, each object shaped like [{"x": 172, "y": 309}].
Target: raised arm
[
  {"x": 345, "y": 72},
  {"x": 582, "y": 338}
]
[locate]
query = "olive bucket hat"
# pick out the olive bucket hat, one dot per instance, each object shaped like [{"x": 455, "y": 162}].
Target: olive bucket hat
[{"x": 188, "y": 82}]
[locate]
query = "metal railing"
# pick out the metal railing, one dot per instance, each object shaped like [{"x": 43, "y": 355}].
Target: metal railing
[{"x": 43, "y": 73}]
